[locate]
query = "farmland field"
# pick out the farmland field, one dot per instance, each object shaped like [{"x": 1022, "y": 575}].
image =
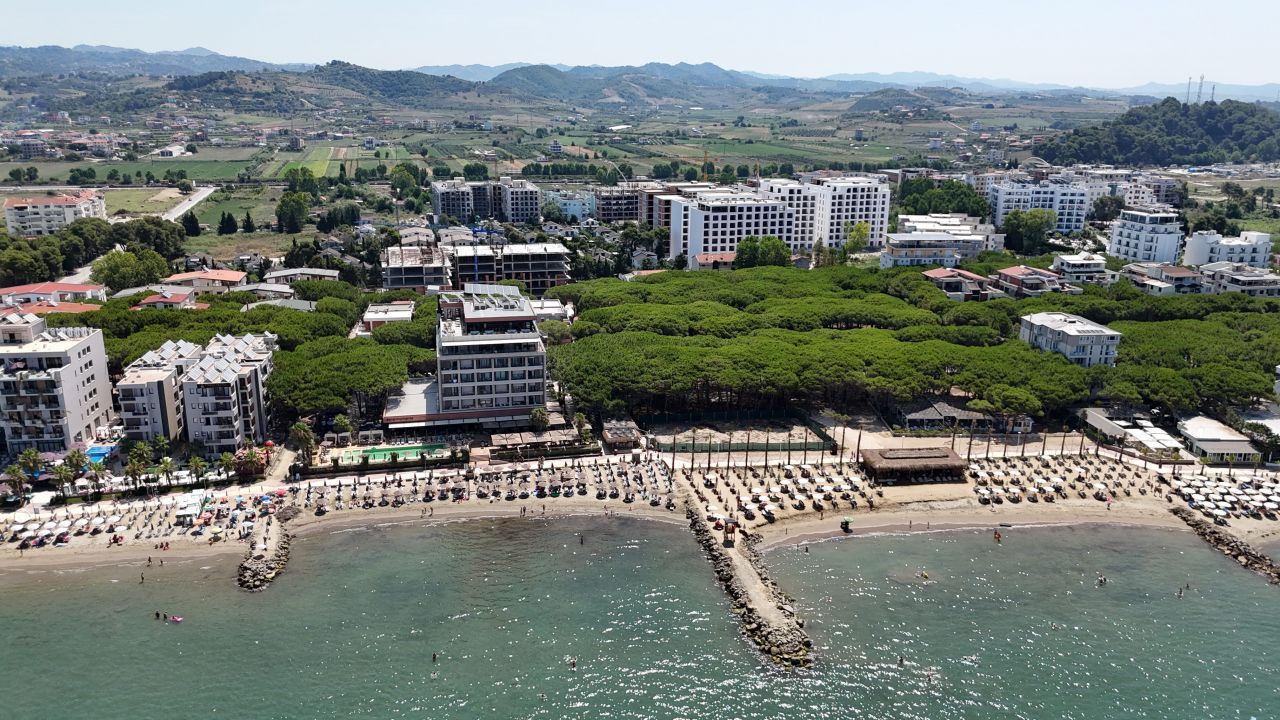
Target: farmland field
[
  {"x": 142, "y": 200},
  {"x": 315, "y": 159}
]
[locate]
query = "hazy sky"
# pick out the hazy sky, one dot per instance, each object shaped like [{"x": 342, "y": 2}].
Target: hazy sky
[{"x": 1100, "y": 43}]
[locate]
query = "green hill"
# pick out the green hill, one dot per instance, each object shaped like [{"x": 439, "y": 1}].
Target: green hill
[
  {"x": 1173, "y": 133},
  {"x": 387, "y": 84}
]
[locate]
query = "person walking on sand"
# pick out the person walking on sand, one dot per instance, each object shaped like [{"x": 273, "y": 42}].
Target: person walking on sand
[{"x": 141, "y": 578}]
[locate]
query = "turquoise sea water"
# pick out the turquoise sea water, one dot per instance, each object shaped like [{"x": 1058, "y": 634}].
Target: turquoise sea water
[{"x": 350, "y": 630}]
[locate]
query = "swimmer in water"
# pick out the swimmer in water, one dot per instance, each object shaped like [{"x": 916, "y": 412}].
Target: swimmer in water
[{"x": 901, "y": 661}]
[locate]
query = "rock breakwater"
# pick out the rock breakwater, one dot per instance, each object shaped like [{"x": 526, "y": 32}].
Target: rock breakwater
[
  {"x": 764, "y": 610},
  {"x": 1229, "y": 545}
]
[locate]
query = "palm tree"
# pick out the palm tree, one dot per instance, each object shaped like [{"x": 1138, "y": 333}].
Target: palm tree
[
  {"x": 198, "y": 468},
  {"x": 16, "y": 477},
  {"x": 140, "y": 453},
  {"x": 252, "y": 460},
  {"x": 76, "y": 460},
  {"x": 302, "y": 438},
  {"x": 97, "y": 471},
  {"x": 167, "y": 468},
  {"x": 63, "y": 475},
  {"x": 30, "y": 462},
  {"x": 160, "y": 446},
  {"x": 134, "y": 470},
  {"x": 226, "y": 463}
]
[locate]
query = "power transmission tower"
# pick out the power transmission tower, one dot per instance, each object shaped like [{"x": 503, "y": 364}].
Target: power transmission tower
[{"x": 1200, "y": 89}]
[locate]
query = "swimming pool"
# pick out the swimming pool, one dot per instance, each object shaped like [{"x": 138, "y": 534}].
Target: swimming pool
[{"x": 382, "y": 453}]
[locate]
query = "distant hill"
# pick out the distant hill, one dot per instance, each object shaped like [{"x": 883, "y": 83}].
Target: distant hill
[
  {"x": 400, "y": 85},
  {"x": 476, "y": 73},
  {"x": 1173, "y": 133},
  {"x": 53, "y": 60}
]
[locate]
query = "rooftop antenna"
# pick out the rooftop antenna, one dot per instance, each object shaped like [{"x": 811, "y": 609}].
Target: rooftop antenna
[{"x": 1200, "y": 89}]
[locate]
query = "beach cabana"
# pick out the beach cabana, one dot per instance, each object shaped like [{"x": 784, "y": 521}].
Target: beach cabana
[{"x": 914, "y": 465}]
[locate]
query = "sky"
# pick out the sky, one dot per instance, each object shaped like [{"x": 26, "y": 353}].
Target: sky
[{"x": 1095, "y": 43}]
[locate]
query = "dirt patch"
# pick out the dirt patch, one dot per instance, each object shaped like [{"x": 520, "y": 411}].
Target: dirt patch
[{"x": 165, "y": 195}]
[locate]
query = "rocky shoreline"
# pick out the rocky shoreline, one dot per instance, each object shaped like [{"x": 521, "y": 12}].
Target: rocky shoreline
[
  {"x": 257, "y": 571},
  {"x": 780, "y": 634},
  {"x": 1229, "y": 545}
]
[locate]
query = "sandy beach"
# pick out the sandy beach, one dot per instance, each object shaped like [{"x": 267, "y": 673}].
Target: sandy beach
[{"x": 912, "y": 508}]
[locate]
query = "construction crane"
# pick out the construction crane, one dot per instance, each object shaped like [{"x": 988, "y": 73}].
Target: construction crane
[{"x": 1200, "y": 90}]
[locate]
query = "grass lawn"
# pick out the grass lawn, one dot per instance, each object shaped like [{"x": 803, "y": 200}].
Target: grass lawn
[
  {"x": 259, "y": 202},
  {"x": 225, "y": 247},
  {"x": 142, "y": 200}
]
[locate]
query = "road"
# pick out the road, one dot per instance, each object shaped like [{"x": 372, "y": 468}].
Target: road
[{"x": 191, "y": 201}]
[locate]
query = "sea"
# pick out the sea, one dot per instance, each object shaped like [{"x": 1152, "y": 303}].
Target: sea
[{"x": 483, "y": 619}]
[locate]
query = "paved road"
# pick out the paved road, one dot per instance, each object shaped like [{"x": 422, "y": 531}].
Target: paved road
[{"x": 191, "y": 201}]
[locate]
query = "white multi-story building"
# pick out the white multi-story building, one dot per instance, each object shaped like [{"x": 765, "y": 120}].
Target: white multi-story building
[
  {"x": 1082, "y": 341},
  {"x": 823, "y": 205},
  {"x": 46, "y": 215},
  {"x": 975, "y": 235},
  {"x": 1146, "y": 235},
  {"x": 54, "y": 391},
  {"x": 1225, "y": 277},
  {"x": 921, "y": 248},
  {"x": 1082, "y": 267},
  {"x": 1205, "y": 246},
  {"x": 1068, "y": 200},
  {"x": 715, "y": 222},
  {"x": 580, "y": 205},
  {"x": 224, "y": 393},
  {"x": 150, "y": 393},
  {"x": 491, "y": 364}
]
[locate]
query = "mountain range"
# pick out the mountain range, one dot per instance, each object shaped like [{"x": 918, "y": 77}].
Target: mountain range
[{"x": 585, "y": 83}]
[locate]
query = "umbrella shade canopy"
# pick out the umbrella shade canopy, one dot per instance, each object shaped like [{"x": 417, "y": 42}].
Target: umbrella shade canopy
[{"x": 21, "y": 517}]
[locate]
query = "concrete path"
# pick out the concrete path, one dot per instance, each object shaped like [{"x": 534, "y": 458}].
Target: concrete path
[{"x": 191, "y": 201}]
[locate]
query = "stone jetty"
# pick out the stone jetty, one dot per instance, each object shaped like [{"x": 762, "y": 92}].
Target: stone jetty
[
  {"x": 1230, "y": 545},
  {"x": 764, "y": 610},
  {"x": 261, "y": 566}
]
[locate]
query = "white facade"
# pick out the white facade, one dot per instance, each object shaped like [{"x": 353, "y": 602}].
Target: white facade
[
  {"x": 1082, "y": 341},
  {"x": 1225, "y": 277},
  {"x": 224, "y": 393},
  {"x": 1081, "y": 267},
  {"x": 823, "y": 206},
  {"x": 54, "y": 389},
  {"x": 1146, "y": 235},
  {"x": 453, "y": 198},
  {"x": 976, "y": 235},
  {"x": 921, "y": 248},
  {"x": 1068, "y": 200},
  {"x": 715, "y": 222},
  {"x": 492, "y": 361},
  {"x": 1205, "y": 246},
  {"x": 150, "y": 393},
  {"x": 571, "y": 204},
  {"x": 49, "y": 214}
]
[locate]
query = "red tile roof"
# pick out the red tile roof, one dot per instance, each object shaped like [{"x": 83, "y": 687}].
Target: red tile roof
[
  {"x": 47, "y": 308},
  {"x": 232, "y": 276},
  {"x": 76, "y": 199},
  {"x": 49, "y": 287},
  {"x": 715, "y": 257}
]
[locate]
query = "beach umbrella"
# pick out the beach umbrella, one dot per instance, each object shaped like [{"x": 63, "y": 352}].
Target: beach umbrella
[
  {"x": 21, "y": 517},
  {"x": 81, "y": 522},
  {"x": 26, "y": 535}
]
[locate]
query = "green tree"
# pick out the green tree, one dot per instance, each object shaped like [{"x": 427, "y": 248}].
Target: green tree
[
  {"x": 342, "y": 424},
  {"x": 62, "y": 478},
  {"x": 247, "y": 225},
  {"x": 774, "y": 252},
  {"x": 539, "y": 419},
  {"x": 557, "y": 332},
  {"x": 77, "y": 460},
  {"x": 226, "y": 464},
  {"x": 120, "y": 269},
  {"x": 198, "y": 469},
  {"x": 30, "y": 462},
  {"x": 304, "y": 440},
  {"x": 1027, "y": 231},
  {"x": 191, "y": 224},
  {"x": 291, "y": 211},
  {"x": 748, "y": 254},
  {"x": 856, "y": 236},
  {"x": 1106, "y": 208},
  {"x": 227, "y": 224}
]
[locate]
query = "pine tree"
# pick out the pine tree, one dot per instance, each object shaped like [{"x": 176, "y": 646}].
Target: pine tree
[
  {"x": 247, "y": 224},
  {"x": 191, "y": 224},
  {"x": 227, "y": 224}
]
